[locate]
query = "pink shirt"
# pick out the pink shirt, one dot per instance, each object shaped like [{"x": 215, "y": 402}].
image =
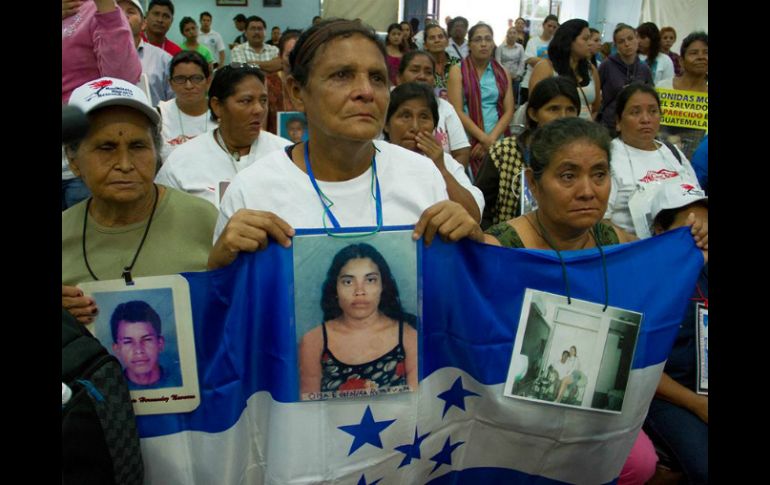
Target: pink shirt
[{"x": 95, "y": 45}]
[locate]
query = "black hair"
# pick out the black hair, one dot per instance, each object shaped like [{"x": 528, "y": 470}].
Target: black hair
[
  {"x": 161, "y": 3},
  {"x": 408, "y": 91},
  {"x": 548, "y": 18},
  {"x": 455, "y": 20},
  {"x": 549, "y": 88},
  {"x": 694, "y": 36},
  {"x": 308, "y": 43},
  {"x": 185, "y": 21},
  {"x": 239, "y": 18},
  {"x": 227, "y": 78},
  {"x": 650, "y": 30},
  {"x": 478, "y": 26},
  {"x": 295, "y": 119},
  {"x": 255, "y": 18},
  {"x": 407, "y": 58},
  {"x": 204, "y": 14},
  {"x": 191, "y": 57},
  {"x": 560, "y": 49},
  {"x": 550, "y": 138},
  {"x": 628, "y": 91},
  {"x": 390, "y": 303},
  {"x": 132, "y": 312}
]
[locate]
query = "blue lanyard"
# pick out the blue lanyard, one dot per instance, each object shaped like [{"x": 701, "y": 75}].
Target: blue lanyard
[{"x": 323, "y": 198}]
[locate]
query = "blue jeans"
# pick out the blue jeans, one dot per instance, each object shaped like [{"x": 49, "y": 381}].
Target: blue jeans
[
  {"x": 72, "y": 192},
  {"x": 684, "y": 434}
]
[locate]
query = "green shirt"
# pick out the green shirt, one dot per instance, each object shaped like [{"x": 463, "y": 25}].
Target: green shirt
[
  {"x": 202, "y": 50},
  {"x": 179, "y": 240}
]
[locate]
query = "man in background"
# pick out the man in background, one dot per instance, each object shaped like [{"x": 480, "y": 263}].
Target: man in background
[
  {"x": 212, "y": 40},
  {"x": 160, "y": 15},
  {"x": 458, "y": 46},
  {"x": 255, "y": 51},
  {"x": 240, "y": 25}
]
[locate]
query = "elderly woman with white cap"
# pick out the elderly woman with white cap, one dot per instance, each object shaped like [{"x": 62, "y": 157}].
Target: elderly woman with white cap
[{"x": 130, "y": 226}]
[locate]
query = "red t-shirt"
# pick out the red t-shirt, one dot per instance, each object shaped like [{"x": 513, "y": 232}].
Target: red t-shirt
[{"x": 166, "y": 45}]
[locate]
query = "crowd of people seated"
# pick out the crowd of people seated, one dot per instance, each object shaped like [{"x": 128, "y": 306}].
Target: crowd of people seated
[{"x": 183, "y": 166}]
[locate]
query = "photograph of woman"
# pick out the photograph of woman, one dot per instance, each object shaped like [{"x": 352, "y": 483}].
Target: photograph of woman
[{"x": 366, "y": 343}]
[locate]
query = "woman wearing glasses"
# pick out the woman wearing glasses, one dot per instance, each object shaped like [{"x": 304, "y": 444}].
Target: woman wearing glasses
[
  {"x": 342, "y": 177},
  {"x": 205, "y": 165},
  {"x": 187, "y": 115},
  {"x": 480, "y": 91}
]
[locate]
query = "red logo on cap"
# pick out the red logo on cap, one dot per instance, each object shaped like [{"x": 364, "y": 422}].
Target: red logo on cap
[
  {"x": 688, "y": 187},
  {"x": 101, "y": 84}
]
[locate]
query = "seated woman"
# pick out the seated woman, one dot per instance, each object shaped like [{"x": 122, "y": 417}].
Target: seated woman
[
  {"x": 480, "y": 91},
  {"x": 642, "y": 163},
  {"x": 419, "y": 66},
  {"x": 327, "y": 181},
  {"x": 678, "y": 416},
  {"x": 661, "y": 66},
  {"x": 205, "y": 166},
  {"x": 366, "y": 341},
  {"x": 410, "y": 122},
  {"x": 572, "y": 375},
  {"x": 435, "y": 43},
  {"x": 568, "y": 55},
  {"x": 569, "y": 175},
  {"x": 695, "y": 65},
  {"x": 187, "y": 115},
  {"x": 129, "y": 224},
  {"x": 500, "y": 175}
]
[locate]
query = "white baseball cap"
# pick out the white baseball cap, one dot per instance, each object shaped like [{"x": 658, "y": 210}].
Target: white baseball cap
[
  {"x": 109, "y": 91},
  {"x": 138, "y": 5},
  {"x": 674, "y": 196}
]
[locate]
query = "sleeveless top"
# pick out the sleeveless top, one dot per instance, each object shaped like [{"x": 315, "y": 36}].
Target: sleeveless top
[
  {"x": 509, "y": 238},
  {"x": 384, "y": 372},
  {"x": 587, "y": 95}
]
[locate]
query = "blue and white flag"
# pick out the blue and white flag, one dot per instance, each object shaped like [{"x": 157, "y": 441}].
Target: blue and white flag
[{"x": 458, "y": 427}]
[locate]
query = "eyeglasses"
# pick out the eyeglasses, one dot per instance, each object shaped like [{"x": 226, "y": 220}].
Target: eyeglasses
[{"x": 194, "y": 79}]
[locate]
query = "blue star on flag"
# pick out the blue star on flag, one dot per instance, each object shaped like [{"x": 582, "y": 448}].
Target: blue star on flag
[
  {"x": 367, "y": 431},
  {"x": 362, "y": 481},
  {"x": 444, "y": 457},
  {"x": 455, "y": 396},
  {"x": 411, "y": 450}
]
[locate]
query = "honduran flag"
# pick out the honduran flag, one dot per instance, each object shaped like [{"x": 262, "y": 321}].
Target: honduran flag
[{"x": 458, "y": 427}]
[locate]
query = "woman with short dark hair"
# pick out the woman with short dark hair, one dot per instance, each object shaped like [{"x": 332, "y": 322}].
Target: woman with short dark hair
[{"x": 662, "y": 66}]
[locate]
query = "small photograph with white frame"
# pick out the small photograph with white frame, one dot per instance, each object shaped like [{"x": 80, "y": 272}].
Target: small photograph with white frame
[
  {"x": 573, "y": 355},
  {"x": 147, "y": 326},
  {"x": 356, "y": 314}
]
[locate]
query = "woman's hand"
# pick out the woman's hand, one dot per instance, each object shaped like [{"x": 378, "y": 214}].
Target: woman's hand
[
  {"x": 699, "y": 228},
  {"x": 70, "y": 7},
  {"x": 450, "y": 220},
  {"x": 431, "y": 148},
  {"x": 82, "y": 307},
  {"x": 248, "y": 230}
]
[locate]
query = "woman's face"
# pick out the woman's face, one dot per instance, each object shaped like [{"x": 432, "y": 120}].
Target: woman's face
[
  {"x": 558, "y": 107},
  {"x": 190, "y": 31},
  {"x": 406, "y": 30},
  {"x": 481, "y": 44},
  {"x": 640, "y": 120},
  {"x": 241, "y": 114},
  {"x": 573, "y": 190},
  {"x": 117, "y": 158},
  {"x": 394, "y": 37},
  {"x": 510, "y": 35},
  {"x": 627, "y": 43},
  {"x": 420, "y": 69},
  {"x": 436, "y": 40},
  {"x": 667, "y": 39},
  {"x": 580, "y": 46},
  {"x": 696, "y": 58},
  {"x": 411, "y": 117},
  {"x": 519, "y": 25},
  {"x": 359, "y": 288},
  {"x": 644, "y": 44},
  {"x": 347, "y": 94},
  {"x": 595, "y": 43},
  {"x": 195, "y": 85}
]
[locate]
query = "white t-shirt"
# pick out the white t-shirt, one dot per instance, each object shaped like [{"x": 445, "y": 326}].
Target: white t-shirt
[
  {"x": 449, "y": 129},
  {"x": 536, "y": 47},
  {"x": 202, "y": 168},
  {"x": 631, "y": 166},
  {"x": 213, "y": 42},
  {"x": 458, "y": 172},
  {"x": 409, "y": 184},
  {"x": 664, "y": 69},
  {"x": 177, "y": 128}
]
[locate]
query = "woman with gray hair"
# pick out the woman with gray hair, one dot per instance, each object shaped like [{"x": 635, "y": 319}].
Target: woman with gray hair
[{"x": 130, "y": 226}]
